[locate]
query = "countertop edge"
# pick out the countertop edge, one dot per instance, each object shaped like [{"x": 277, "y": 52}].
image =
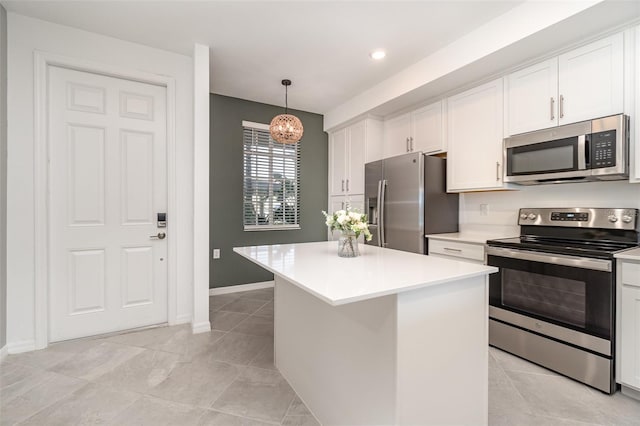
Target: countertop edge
[
  {"x": 632, "y": 254},
  {"x": 489, "y": 270}
]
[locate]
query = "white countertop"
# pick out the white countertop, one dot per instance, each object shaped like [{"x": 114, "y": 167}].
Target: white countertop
[
  {"x": 316, "y": 268},
  {"x": 471, "y": 237},
  {"x": 633, "y": 254}
]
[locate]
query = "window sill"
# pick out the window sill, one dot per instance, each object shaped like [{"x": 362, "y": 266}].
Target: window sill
[{"x": 251, "y": 228}]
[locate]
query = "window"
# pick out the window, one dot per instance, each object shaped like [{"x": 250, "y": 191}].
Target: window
[{"x": 271, "y": 181}]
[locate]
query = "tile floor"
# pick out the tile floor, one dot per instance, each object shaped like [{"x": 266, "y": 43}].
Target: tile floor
[{"x": 167, "y": 376}]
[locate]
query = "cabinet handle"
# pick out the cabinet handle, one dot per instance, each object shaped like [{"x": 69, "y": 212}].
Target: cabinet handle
[
  {"x": 553, "y": 101},
  {"x": 411, "y": 143},
  {"x": 343, "y": 205},
  {"x": 407, "y": 144},
  {"x": 347, "y": 185},
  {"x": 452, "y": 249},
  {"x": 342, "y": 185},
  {"x": 561, "y": 106},
  {"x": 497, "y": 171}
]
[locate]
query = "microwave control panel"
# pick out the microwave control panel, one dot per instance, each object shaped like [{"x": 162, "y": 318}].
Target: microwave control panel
[{"x": 603, "y": 149}]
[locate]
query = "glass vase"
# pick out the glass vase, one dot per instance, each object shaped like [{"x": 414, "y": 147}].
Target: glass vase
[{"x": 348, "y": 245}]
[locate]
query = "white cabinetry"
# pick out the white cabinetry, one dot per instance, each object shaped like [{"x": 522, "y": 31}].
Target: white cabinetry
[
  {"x": 629, "y": 332},
  {"x": 634, "y": 160},
  {"x": 474, "y": 133},
  {"x": 583, "y": 84},
  {"x": 456, "y": 250},
  {"x": 349, "y": 149},
  {"x": 420, "y": 130},
  {"x": 532, "y": 98}
]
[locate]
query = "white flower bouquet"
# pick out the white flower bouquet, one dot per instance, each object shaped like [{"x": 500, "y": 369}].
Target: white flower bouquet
[{"x": 348, "y": 222}]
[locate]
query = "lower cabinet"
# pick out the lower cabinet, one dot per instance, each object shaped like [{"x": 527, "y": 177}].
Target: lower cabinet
[
  {"x": 629, "y": 323},
  {"x": 456, "y": 250}
]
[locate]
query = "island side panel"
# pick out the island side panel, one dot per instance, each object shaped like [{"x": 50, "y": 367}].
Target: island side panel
[
  {"x": 443, "y": 343},
  {"x": 339, "y": 360}
]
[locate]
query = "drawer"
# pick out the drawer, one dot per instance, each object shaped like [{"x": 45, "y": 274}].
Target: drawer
[
  {"x": 456, "y": 249},
  {"x": 631, "y": 273}
]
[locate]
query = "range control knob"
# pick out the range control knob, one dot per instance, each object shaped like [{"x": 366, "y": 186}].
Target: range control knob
[
  {"x": 613, "y": 219},
  {"x": 523, "y": 216},
  {"x": 532, "y": 216},
  {"x": 627, "y": 218}
]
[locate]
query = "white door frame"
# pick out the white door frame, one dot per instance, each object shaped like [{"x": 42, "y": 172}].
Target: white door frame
[{"x": 43, "y": 60}]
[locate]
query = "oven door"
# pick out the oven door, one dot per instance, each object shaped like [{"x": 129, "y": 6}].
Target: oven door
[{"x": 564, "y": 297}]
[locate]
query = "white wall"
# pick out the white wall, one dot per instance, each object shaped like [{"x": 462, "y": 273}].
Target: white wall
[
  {"x": 503, "y": 205},
  {"x": 3, "y": 178},
  {"x": 27, "y": 35}
]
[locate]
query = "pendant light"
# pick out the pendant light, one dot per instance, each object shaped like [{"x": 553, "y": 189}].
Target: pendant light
[{"x": 286, "y": 128}]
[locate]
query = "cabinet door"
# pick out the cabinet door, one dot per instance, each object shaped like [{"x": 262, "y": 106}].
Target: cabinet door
[
  {"x": 335, "y": 204},
  {"x": 591, "y": 80},
  {"x": 630, "y": 325},
  {"x": 427, "y": 129},
  {"x": 474, "y": 131},
  {"x": 634, "y": 152},
  {"x": 337, "y": 162},
  {"x": 531, "y": 97},
  {"x": 355, "y": 158},
  {"x": 396, "y": 135}
]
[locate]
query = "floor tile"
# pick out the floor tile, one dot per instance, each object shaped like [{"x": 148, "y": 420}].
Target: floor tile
[
  {"x": 187, "y": 344},
  {"x": 156, "y": 412},
  {"x": 198, "y": 383},
  {"x": 44, "y": 358},
  {"x": 297, "y": 408},
  {"x": 257, "y": 326},
  {"x": 300, "y": 421},
  {"x": 616, "y": 409},
  {"x": 264, "y": 359},
  {"x": 92, "y": 404},
  {"x": 142, "y": 372},
  {"x": 261, "y": 294},
  {"x": 12, "y": 373},
  {"x": 150, "y": 337},
  {"x": 52, "y": 388},
  {"x": 244, "y": 306},
  {"x": 218, "y": 301},
  {"x": 96, "y": 361},
  {"x": 237, "y": 348},
  {"x": 225, "y": 321},
  {"x": 556, "y": 396},
  {"x": 216, "y": 418},
  {"x": 257, "y": 393},
  {"x": 266, "y": 310}
]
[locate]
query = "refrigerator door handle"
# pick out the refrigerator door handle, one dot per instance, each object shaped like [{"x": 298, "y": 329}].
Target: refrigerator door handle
[
  {"x": 381, "y": 213},
  {"x": 379, "y": 218}
]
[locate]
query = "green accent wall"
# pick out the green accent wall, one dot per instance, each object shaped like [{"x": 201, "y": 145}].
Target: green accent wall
[{"x": 226, "y": 178}]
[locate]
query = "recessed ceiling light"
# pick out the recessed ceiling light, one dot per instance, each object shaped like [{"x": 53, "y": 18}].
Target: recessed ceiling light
[{"x": 378, "y": 54}]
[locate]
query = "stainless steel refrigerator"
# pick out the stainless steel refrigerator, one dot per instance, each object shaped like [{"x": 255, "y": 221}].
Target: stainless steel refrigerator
[{"x": 406, "y": 198}]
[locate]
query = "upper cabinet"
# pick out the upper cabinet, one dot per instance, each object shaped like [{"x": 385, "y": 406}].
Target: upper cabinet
[
  {"x": 583, "y": 84},
  {"x": 474, "y": 133},
  {"x": 420, "y": 130},
  {"x": 349, "y": 149},
  {"x": 532, "y": 98}
]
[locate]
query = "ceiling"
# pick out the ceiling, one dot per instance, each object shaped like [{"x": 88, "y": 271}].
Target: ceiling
[{"x": 322, "y": 46}]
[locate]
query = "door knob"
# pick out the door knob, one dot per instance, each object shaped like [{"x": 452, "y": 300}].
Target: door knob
[{"x": 160, "y": 236}]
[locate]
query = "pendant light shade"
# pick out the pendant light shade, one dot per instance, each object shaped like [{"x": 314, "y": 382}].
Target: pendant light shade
[{"x": 286, "y": 128}]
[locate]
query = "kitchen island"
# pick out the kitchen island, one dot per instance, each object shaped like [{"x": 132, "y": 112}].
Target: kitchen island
[{"x": 386, "y": 338}]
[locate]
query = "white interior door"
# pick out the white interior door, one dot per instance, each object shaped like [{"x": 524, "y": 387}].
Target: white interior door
[{"x": 107, "y": 182}]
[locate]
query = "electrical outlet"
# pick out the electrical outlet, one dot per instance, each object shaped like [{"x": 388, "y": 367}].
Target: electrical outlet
[
  {"x": 484, "y": 209},
  {"x": 216, "y": 253}
]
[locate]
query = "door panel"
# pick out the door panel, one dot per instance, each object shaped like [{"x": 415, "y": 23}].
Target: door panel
[
  {"x": 356, "y": 158},
  {"x": 404, "y": 203},
  {"x": 338, "y": 162},
  {"x": 107, "y": 177}
]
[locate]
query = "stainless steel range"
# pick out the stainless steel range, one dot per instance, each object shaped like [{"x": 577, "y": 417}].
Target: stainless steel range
[{"x": 553, "y": 300}]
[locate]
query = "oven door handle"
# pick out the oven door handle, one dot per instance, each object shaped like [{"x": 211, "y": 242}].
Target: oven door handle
[{"x": 556, "y": 259}]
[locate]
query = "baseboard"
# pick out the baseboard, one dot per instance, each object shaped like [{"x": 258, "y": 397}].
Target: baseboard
[
  {"x": 630, "y": 392},
  {"x": 201, "y": 327},
  {"x": 182, "y": 319},
  {"x": 4, "y": 351},
  {"x": 19, "y": 347},
  {"x": 240, "y": 288}
]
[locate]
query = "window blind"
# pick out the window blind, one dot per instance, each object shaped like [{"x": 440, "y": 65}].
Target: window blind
[{"x": 271, "y": 181}]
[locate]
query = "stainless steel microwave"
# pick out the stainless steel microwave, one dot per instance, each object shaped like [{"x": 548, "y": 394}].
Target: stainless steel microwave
[{"x": 586, "y": 151}]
